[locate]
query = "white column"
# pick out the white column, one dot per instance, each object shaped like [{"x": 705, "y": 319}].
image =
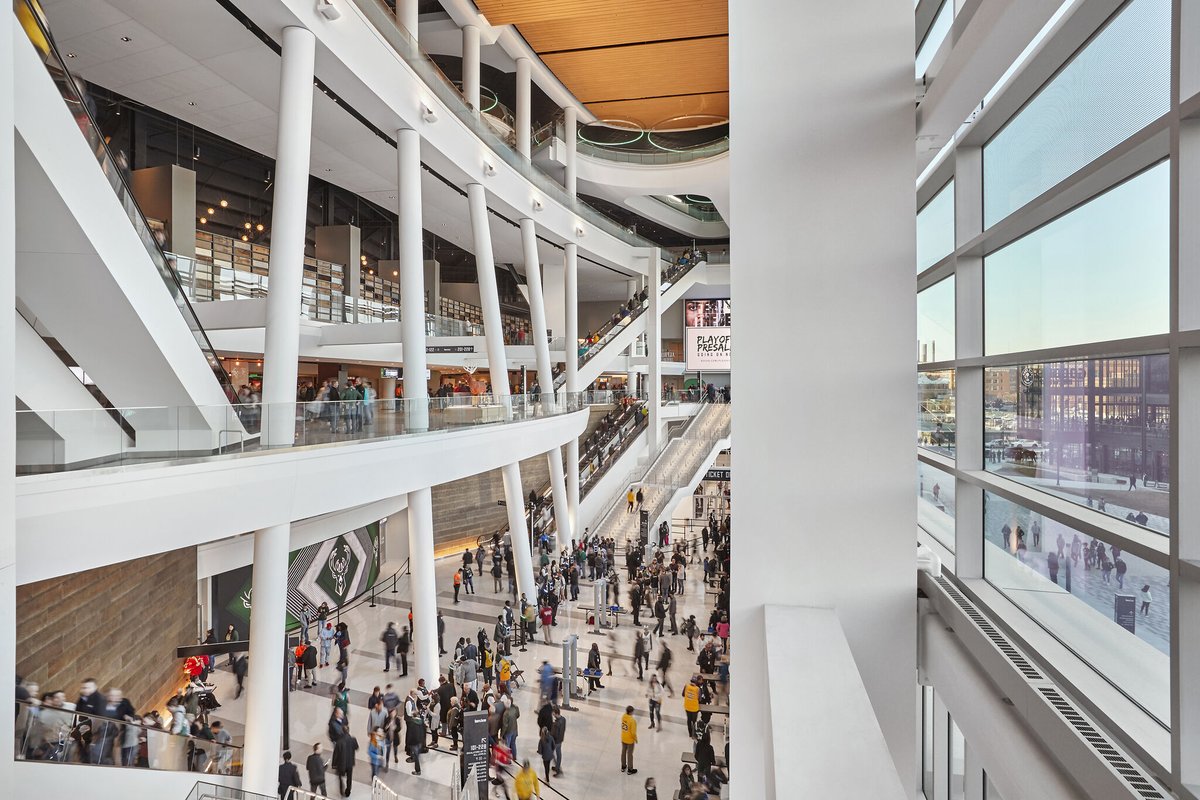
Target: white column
[
  {"x": 289, "y": 218},
  {"x": 524, "y": 95},
  {"x": 571, "y": 301},
  {"x": 570, "y": 134},
  {"x": 8, "y": 334},
  {"x": 631, "y": 289},
  {"x": 654, "y": 348},
  {"x": 264, "y": 681},
  {"x": 470, "y": 66},
  {"x": 790, "y": 186},
  {"x": 416, "y": 397},
  {"x": 406, "y": 15},
  {"x": 424, "y": 585},
  {"x": 493, "y": 331},
  {"x": 541, "y": 350}
]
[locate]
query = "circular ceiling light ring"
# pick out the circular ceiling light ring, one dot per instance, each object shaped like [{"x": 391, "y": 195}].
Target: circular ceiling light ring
[
  {"x": 690, "y": 149},
  {"x": 698, "y": 199},
  {"x": 612, "y": 124},
  {"x": 665, "y": 125}
]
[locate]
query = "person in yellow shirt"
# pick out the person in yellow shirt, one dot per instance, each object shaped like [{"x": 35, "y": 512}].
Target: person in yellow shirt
[
  {"x": 632, "y": 498},
  {"x": 691, "y": 705},
  {"x": 628, "y": 740},
  {"x": 526, "y": 783},
  {"x": 505, "y": 675}
]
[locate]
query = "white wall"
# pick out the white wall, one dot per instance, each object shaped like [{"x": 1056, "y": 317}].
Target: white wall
[
  {"x": 72, "y": 781},
  {"x": 831, "y": 185}
]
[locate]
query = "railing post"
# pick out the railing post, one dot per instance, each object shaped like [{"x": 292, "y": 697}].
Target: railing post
[
  {"x": 394, "y": 574},
  {"x": 372, "y": 597}
]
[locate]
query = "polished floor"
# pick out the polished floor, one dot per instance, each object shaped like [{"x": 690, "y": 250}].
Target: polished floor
[{"x": 591, "y": 753}]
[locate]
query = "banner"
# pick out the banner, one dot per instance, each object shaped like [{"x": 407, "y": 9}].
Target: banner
[
  {"x": 334, "y": 571},
  {"x": 707, "y": 349}
]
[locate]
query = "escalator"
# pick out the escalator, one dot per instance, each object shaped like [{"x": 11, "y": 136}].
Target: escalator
[{"x": 90, "y": 268}]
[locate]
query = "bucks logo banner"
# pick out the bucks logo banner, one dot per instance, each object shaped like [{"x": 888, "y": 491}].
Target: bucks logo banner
[{"x": 334, "y": 571}]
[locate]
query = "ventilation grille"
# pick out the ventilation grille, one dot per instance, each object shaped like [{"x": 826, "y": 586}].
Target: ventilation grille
[
  {"x": 1015, "y": 657},
  {"x": 1134, "y": 776}
]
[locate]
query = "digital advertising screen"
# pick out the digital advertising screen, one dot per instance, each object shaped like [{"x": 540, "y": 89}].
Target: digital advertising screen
[{"x": 707, "y": 335}]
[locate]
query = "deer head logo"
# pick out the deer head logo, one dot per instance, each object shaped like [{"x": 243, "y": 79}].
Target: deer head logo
[{"x": 339, "y": 566}]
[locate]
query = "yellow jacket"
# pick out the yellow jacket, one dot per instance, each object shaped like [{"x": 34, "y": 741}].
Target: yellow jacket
[
  {"x": 526, "y": 784},
  {"x": 628, "y": 729},
  {"x": 691, "y": 697}
]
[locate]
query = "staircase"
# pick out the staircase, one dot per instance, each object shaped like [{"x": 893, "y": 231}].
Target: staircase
[{"x": 677, "y": 468}]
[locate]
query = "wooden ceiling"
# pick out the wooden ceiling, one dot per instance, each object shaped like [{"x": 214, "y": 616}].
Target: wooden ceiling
[{"x": 642, "y": 61}]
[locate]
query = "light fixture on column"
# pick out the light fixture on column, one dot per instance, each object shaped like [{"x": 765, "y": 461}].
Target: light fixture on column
[
  {"x": 489, "y": 168},
  {"x": 328, "y": 10},
  {"x": 537, "y": 204},
  {"x": 428, "y": 114}
]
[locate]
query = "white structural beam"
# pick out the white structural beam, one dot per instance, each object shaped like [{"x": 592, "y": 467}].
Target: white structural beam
[
  {"x": 524, "y": 97},
  {"x": 8, "y": 272},
  {"x": 289, "y": 220},
  {"x": 654, "y": 347},
  {"x": 416, "y": 397},
  {"x": 571, "y": 141},
  {"x": 268, "y": 617},
  {"x": 571, "y": 384},
  {"x": 804, "y": 187},
  {"x": 493, "y": 330}
]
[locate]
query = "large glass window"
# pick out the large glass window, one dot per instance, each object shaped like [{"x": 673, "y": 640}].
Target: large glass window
[
  {"x": 927, "y": 720},
  {"x": 1098, "y": 273},
  {"x": 935, "y": 322},
  {"x": 935, "y": 411},
  {"x": 957, "y": 779},
  {"x": 1108, "y": 606},
  {"x": 1119, "y": 83},
  {"x": 935, "y": 228},
  {"x": 935, "y": 503},
  {"x": 1095, "y": 432},
  {"x": 934, "y": 38}
]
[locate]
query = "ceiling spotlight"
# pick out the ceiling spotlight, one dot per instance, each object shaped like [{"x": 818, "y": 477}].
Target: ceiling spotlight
[
  {"x": 126, "y": 39},
  {"x": 579, "y": 231},
  {"x": 248, "y": 226},
  {"x": 328, "y": 10},
  {"x": 537, "y": 204},
  {"x": 71, "y": 55},
  {"x": 329, "y": 169},
  {"x": 395, "y": 272},
  {"x": 196, "y": 153},
  {"x": 258, "y": 227},
  {"x": 212, "y": 211},
  {"x": 191, "y": 102},
  {"x": 245, "y": 238},
  {"x": 224, "y": 204},
  {"x": 204, "y": 220},
  {"x": 489, "y": 168},
  {"x": 428, "y": 114}
]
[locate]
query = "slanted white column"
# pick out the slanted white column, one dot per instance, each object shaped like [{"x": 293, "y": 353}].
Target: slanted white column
[
  {"x": 470, "y": 66},
  {"x": 289, "y": 219},
  {"x": 541, "y": 351},
  {"x": 570, "y": 134},
  {"x": 524, "y": 99},
  {"x": 416, "y": 397},
  {"x": 264, "y": 681},
  {"x": 654, "y": 347},
  {"x": 8, "y": 337},
  {"x": 406, "y": 15},
  {"x": 493, "y": 331},
  {"x": 571, "y": 292}
]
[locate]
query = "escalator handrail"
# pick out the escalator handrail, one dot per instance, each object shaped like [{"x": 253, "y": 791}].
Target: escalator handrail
[{"x": 154, "y": 250}]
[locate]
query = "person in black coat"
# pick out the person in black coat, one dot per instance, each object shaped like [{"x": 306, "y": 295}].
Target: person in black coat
[
  {"x": 289, "y": 776},
  {"x": 343, "y": 761},
  {"x": 315, "y": 765},
  {"x": 414, "y": 740}
]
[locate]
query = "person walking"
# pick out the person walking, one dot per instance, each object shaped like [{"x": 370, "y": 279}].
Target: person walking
[
  {"x": 628, "y": 741},
  {"x": 458, "y": 577},
  {"x": 343, "y": 762},
  {"x": 326, "y": 634},
  {"x": 441, "y": 632},
  {"x": 690, "y": 629},
  {"x": 289, "y": 776},
  {"x": 468, "y": 580},
  {"x": 641, "y": 498},
  {"x": 391, "y": 640},
  {"x": 525, "y": 784},
  {"x": 545, "y": 749},
  {"x": 558, "y": 732},
  {"x": 547, "y": 615},
  {"x": 664, "y": 665},
  {"x": 654, "y": 693},
  {"x": 631, "y": 498},
  {"x": 639, "y": 652},
  {"x": 1146, "y": 599},
  {"x": 315, "y": 766},
  {"x": 671, "y": 613},
  {"x": 691, "y": 704},
  {"x": 376, "y": 753},
  {"x": 660, "y": 613},
  {"x": 231, "y": 635},
  {"x": 414, "y": 740},
  {"x": 508, "y": 725}
]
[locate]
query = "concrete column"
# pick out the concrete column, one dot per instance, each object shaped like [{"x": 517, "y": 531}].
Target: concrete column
[
  {"x": 654, "y": 348},
  {"x": 470, "y": 66},
  {"x": 268, "y": 615},
  {"x": 406, "y": 15},
  {"x": 289, "y": 217},
  {"x": 424, "y": 585},
  {"x": 631, "y": 289},
  {"x": 342, "y": 244},
  {"x": 524, "y": 95},
  {"x": 493, "y": 331},
  {"x": 866, "y": 293},
  {"x": 571, "y": 302},
  {"x": 8, "y": 336},
  {"x": 570, "y": 134}
]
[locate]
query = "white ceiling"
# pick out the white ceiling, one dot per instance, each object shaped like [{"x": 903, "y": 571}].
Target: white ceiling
[{"x": 195, "y": 62}]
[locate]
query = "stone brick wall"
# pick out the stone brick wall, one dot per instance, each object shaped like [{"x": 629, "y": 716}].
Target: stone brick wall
[{"x": 119, "y": 624}]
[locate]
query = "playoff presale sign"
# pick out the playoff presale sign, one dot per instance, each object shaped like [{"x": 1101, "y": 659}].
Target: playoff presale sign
[{"x": 708, "y": 349}]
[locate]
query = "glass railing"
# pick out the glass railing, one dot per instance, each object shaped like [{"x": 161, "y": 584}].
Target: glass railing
[
  {"x": 62, "y": 736},
  {"x": 380, "y": 15},
  {"x": 214, "y": 791},
  {"x": 693, "y": 210},
  {"x": 77, "y": 102},
  {"x": 679, "y": 156},
  {"x": 66, "y": 440}
]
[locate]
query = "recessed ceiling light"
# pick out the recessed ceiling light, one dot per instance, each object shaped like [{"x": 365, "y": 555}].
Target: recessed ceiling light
[
  {"x": 204, "y": 220},
  {"x": 126, "y": 39},
  {"x": 191, "y": 102},
  {"x": 329, "y": 169},
  {"x": 395, "y": 273},
  {"x": 258, "y": 227},
  {"x": 224, "y": 204},
  {"x": 247, "y": 226},
  {"x": 71, "y": 55},
  {"x": 212, "y": 211},
  {"x": 245, "y": 238}
]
